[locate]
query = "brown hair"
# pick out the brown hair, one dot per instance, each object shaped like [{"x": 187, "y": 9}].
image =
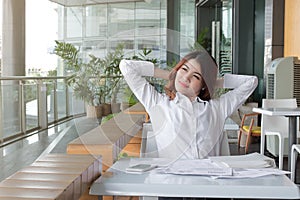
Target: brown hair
[{"x": 209, "y": 72}]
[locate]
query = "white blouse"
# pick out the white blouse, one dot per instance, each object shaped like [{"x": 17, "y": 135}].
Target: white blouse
[{"x": 183, "y": 128}]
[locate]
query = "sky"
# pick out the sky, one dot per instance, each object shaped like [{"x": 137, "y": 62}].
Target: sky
[{"x": 41, "y": 31}]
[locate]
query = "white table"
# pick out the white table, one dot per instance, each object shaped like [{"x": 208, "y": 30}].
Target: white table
[
  {"x": 292, "y": 114},
  {"x": 116, "y": 182}
]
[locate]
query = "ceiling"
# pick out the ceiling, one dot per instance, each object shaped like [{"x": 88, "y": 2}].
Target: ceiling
[{"x": 71, "y": 3}]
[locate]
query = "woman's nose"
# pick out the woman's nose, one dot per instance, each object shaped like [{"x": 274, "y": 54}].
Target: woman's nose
[{"x": 187, "y": 76}]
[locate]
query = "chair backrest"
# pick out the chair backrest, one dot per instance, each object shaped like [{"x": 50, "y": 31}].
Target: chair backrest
[
  {"x": 148, "y": 146},
  {"x": 274, "y": 123}
]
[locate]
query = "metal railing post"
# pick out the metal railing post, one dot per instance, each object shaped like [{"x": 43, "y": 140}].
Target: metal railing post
[
  {"x": 67, "y": 98},
  {"x": 42, "y": 105},
  {"x": 22, "y": 107},
  {"x": 55, "y": 100},
  {"x": 1, "y": 118}
]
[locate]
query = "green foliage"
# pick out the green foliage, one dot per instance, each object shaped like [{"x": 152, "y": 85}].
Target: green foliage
[
  {"x": 108, "y": 117},
  {"x": 145, "y": 56},
  {"x": 85, "y": 77},
  {"x": 203, "y": 41},
  {"x": 220, "y": 91},
  {"x": 69, "y": 54},
  {"x": 113, "y": 72},
  {"x": 52, "y": 72},
  {"x": 97, "y": 79},
  {"x": 124, "y": 155}
]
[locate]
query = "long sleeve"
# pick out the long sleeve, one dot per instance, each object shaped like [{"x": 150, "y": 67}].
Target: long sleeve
[
  {"x": 242, "y": 85},
  {"x": 134, "y": 73}
]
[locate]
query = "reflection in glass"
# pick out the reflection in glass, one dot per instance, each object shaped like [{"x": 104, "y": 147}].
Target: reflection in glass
[
  {"x": 74, "y": 21},
  {"x": 226, "y": 37},
  {"x": 120, "y": 20},
  {"x": 147, "y": 20},
  {"x": 50, "y": 101},
  {"x": 96, "y": 23},
  {"x": 31, "y": 105},
  {"x": 11, "y": 112},
  {"x": 95, "y": 47},
  {"x": 61, "y": 98},
  {"x": 32, "y": 139}
]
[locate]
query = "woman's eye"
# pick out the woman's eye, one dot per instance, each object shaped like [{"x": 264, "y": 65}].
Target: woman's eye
[
  {"x": 197, "y": 77},
  {"x": 183, "y": 68}
]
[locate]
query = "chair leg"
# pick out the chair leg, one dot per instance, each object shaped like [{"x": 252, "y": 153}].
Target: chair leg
[
  {"x": 280, "y": 151},
  {"x": 248, "y": 142},
  {"x": 293, "y": 162},
  {"x": 239, "y": 138},
  {"x": 280, "y": 147}
]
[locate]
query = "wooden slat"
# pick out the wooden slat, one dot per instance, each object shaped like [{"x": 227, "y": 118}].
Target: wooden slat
[
  {"x": 109, "y": 138},
  {"x": 54, "y": 176}
]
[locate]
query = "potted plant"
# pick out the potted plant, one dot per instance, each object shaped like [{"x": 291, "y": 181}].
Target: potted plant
[
  {"x": 85, "y": 77},
  {"x": 113, "y": 76},
  {"x": 97, "y": 81}
]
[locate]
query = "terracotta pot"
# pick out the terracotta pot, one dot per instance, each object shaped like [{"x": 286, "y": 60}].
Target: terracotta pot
[
  {"x": 124, "y": 106},
  {"x": 106, "y": 109},
  {"x": 94, "y": 111},
  {"x": 115, "y": 107}
]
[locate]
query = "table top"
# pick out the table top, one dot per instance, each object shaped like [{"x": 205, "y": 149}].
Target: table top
[
  {"x": 117, "y": 182},
  {"x": 278, "y": 111}
]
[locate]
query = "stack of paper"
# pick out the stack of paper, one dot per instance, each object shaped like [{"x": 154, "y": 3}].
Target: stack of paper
[
  {"x": 253, "y": 160},
  {"x": 243, "y": 166},
  {"x": 197, "y": 167},
  {"x": 240, "y": 166}
]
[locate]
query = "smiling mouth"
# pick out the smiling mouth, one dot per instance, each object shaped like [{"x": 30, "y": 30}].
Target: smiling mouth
[{"x": 183, "y": 84}]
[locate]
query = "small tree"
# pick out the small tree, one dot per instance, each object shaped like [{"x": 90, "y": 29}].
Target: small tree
[{"x": 85, "y": 78}]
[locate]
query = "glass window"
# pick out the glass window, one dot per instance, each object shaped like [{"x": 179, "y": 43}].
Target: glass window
[
  {"x": 96, "y": 47},
  {"x": 74, "y": 22},
  {"x": 149, "y": 43},
  {"x": 187, "y": 26},
  {"x": 147, "y": 19},
  {"x": 187, "y": 18},
  {"x": 120, "y": 20},
  {"x": 128, "y": 44},
  {"x": 96, "y": 20}
]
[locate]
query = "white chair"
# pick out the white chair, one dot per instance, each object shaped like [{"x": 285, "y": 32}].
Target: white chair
[
  {"x": 295, "y": 149},
  {"x": 275, "y": 127},
  {"x": 148, "y": 143}
]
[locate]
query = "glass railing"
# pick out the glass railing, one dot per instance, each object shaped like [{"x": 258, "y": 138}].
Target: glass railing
[{"x": 29, "y": 104}]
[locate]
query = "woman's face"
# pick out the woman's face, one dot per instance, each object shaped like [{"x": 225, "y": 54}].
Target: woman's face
[{"x": 188, "y": 79}]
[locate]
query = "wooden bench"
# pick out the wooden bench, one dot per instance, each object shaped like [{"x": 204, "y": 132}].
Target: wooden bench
[
  {"x": 54, "y": 176},
  {"x": 111, "y": 137}
]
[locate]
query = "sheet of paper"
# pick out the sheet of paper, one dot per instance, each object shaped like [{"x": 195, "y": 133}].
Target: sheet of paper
[
  {"x": 233, "y": 167},
  {"x": 159, "y": 162},
  {"x": 197, "y": 167},
  {"x": 253, "y": 173},
  {"x": 253, "y": 160}
]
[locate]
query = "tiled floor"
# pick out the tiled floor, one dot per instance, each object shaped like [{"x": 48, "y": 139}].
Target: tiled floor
[{"x": 25, "y": 151}]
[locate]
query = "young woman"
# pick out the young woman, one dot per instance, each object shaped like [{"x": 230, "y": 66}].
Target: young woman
[{"x": 187, "y": 121}]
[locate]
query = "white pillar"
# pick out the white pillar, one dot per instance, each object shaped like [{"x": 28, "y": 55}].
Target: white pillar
[
  {"x": 13, "y": 38},
  {"x": 13, "y": 61}
]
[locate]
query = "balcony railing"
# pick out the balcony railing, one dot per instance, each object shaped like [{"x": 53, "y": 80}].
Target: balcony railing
[{"x": 29, "y": 104}]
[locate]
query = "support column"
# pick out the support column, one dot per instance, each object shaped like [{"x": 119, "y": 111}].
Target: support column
[
  {"x": 12, "y": 64},
  {"x": 173, "y": 31},
  {"x": 13, "y": 38}
]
